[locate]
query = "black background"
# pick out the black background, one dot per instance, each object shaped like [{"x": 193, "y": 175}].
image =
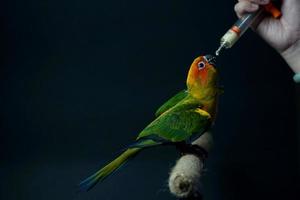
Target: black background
[{"x": 80, "y": 79}]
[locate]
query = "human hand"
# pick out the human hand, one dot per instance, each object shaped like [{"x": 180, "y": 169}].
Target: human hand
[{"x": 282, "y": 34}]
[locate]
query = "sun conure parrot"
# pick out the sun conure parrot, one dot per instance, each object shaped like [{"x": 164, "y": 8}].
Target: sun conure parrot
[{"x": 188, "y": 114}]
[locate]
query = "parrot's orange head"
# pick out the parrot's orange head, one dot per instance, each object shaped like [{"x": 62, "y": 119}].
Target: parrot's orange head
[{"x": 202, "y": 73}]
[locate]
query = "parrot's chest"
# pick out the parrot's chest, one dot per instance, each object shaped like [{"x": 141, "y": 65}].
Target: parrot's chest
[{"x": 211, "y": 107}]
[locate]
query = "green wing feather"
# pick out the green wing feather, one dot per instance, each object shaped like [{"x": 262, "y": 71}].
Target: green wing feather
[
  {"x": 179, "y": 123},
  {"x": 171, "y": 102}
]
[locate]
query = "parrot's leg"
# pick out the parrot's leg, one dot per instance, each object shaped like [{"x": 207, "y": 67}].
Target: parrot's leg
[{"x": 185, "y": 148}]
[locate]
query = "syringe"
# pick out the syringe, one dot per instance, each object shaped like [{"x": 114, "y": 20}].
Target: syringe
[{"x": 242, "y": 25}]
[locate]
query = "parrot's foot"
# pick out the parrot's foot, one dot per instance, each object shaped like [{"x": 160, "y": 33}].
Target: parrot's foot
[{"x": 196, "y": 150}]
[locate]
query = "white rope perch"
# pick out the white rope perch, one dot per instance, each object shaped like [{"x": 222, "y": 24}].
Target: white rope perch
[{"x": 184, "y": 180}]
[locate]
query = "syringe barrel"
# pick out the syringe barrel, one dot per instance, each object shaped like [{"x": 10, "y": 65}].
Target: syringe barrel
[
  {"x": 246, "y": 21},
  {"x": 239, "y": 28}
]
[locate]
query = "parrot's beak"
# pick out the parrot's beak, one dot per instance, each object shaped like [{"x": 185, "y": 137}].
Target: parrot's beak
[{"x": 210, "y": 59}]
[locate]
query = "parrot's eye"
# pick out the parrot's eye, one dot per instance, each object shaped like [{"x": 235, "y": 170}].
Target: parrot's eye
[{"x": 201, "y": 65}]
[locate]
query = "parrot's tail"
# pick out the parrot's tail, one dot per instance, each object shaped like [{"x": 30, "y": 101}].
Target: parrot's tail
[{"x": 100, "y": 175}]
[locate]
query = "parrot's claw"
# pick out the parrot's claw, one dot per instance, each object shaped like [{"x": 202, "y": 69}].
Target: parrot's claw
[{"x": 196, "y": 150}]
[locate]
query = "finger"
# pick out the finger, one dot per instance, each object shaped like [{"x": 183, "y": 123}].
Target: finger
[
  {"x": 243, "y": 7},
  {"x": 291, "y": 11},
  {"x": 260, "y": 2}
]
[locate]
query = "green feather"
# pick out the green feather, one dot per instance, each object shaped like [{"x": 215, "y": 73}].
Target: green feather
[
  {"x": 107, "y": 170},
  {"x": 171, "y": 102},
  {"x": 180, "y": 122}
]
